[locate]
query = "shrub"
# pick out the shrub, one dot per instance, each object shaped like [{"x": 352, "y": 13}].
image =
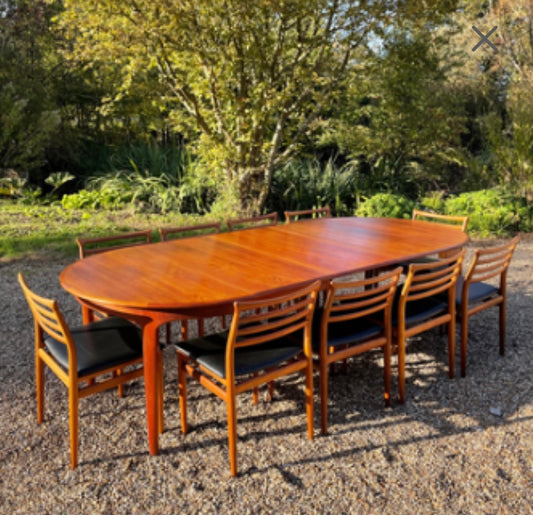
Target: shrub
[
  {"x": 387, "y": 205},
  {"x": 433, "y": 201},
  {"x": 114, "y": 191},
  {"x": 309, "y": 184},
  {"x": 491, "y": 212}
]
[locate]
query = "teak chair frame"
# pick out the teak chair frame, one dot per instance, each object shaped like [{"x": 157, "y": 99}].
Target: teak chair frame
[
  {"x": 486, "y": 264},
  {"x": 354, "y": 301},
  {"x": 86, "y": 248},
  {"x": 189, "y": 231},
  {"x": 294, "y": 216},
  {"x": 461, "y": 222},
  {"x": 89, "y": 247},
  {"x": 455, "y": 220},
  {"x": 256, "y": 322},
  {"x": 239, "y": 224},
  {"x": 49, "y": 319},
  {"x": 423, "y": 281}
]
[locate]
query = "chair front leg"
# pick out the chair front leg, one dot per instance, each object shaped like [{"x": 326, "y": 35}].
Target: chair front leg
[
  {"x": 120, "y": 388},
  {"x": 503, "y": 311},
  {"x": 182, "y": 390},
  {"x": 39, "y": 384},
  {"x": 323, "y": 377},
  {"x": 451, "y": 347},
  {"x": 464, "y": 342},
  {"x": 309, "y": 406},
  {"x": 387, "y": 372},
  {"x": 232, "y": 431},
  {"x": 73, "y": 402},
  {"x": 401, "y": 366}
]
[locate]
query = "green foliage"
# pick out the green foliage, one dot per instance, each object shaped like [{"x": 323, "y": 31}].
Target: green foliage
[
  {"x": 146, "y": 176},
  {"x": 12, "y": 186},
  {"x": 306, "y": 184},
  {"x": 141, "y": 191},
  {"x": 29, "y": 118},
  {"x": 243, "y": 81},
  {"x": 492, "y": 212},
  {"x": 26, "y": 128},
  {"x": 388, "y": 205},
  {"x": 400, "y": 120},
  {"x": 57, "y": 180},
  {"x": 433, "y": 201}
]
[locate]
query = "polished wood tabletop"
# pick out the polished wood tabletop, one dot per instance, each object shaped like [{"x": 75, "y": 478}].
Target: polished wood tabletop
[
  {"x": 158, "y": 282},
  {"x": 206, "y": 271}
]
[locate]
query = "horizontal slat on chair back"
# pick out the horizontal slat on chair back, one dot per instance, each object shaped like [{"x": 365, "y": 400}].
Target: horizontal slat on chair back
[
  {"x": 253, "y": 221},
  {"x": 348, "y": 300},
  {"x": 90, "y": 246},
  {"x": 293, "y": 216},
  {"x": 46, "y": 313},
  {"x": 256, "y": 322},
  {"x": 491, "y": 262},
  {"x": 459, "y": 221},
  {"x": 188, "y": 231},
  {"x": 429, "y": 279}
]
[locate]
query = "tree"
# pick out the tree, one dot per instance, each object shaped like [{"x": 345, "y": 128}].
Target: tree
[
  {"x": 28, "y": 118},
  {"x": 242, "y": 80},
  {"x": 506, "y": 75},
  {"x": 401, "y": 119},
  {"x": 515, "y": 61}
]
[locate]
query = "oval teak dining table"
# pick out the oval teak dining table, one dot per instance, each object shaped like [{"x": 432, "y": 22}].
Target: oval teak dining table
[{"x": 199, "y": 276}]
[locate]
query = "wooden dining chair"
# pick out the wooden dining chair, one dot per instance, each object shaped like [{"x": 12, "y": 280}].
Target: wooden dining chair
[
  {"x": 426, "y": 300},
  {"x": 84, "y": 358},
  {"x": 356, "y": 318},
  {"x": 474, "y": 294},
  {"x": 321, "y": 212},
  {"x": 268, "y": 338},
  {"x": 461, "y": 222},
  {"x": 172, "y": 233},
  {"x": 236, "y": 224},
  {"x": 90, "y": 246},
  {"x": 97, "y": 245}
]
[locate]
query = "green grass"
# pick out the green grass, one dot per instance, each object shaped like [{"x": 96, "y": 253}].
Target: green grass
[{"x": 41, "y": 231}]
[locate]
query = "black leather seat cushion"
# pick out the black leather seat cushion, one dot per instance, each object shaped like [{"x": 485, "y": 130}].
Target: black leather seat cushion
[
  {"x": 350, "y": 332},
  {"x": 210, "y": 351},
  {"x": 476, "y": 292},
  {"x": 419, "y": 310},
  {"x": 100, "y": 345}
]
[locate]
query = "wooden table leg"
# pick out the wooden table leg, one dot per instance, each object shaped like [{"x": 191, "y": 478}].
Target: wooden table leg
[{"x": 151, "y": 370}]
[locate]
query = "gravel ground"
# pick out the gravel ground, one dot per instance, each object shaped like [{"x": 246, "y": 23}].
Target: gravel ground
[{"x": 456, "y": 446}]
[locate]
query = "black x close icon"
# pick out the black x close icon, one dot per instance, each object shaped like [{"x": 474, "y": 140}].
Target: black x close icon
[{"x": 484, "y": 38}]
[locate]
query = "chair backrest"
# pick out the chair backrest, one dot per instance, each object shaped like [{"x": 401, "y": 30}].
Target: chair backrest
[
  {"x": 349, "y": 300},
  {"x": 48, "y": 318},
  {"x": 491, "y": 262},
  {"x": 430, "y": 279},
  {"x": 460, "y": 221},
  {"x": 293, "y": 216},
  {"x": 259, "y": 321},
  {"x": 253, "y": 221},
  {"x": 169, "y": 233},
  {"x": 89, "y": 246}
]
